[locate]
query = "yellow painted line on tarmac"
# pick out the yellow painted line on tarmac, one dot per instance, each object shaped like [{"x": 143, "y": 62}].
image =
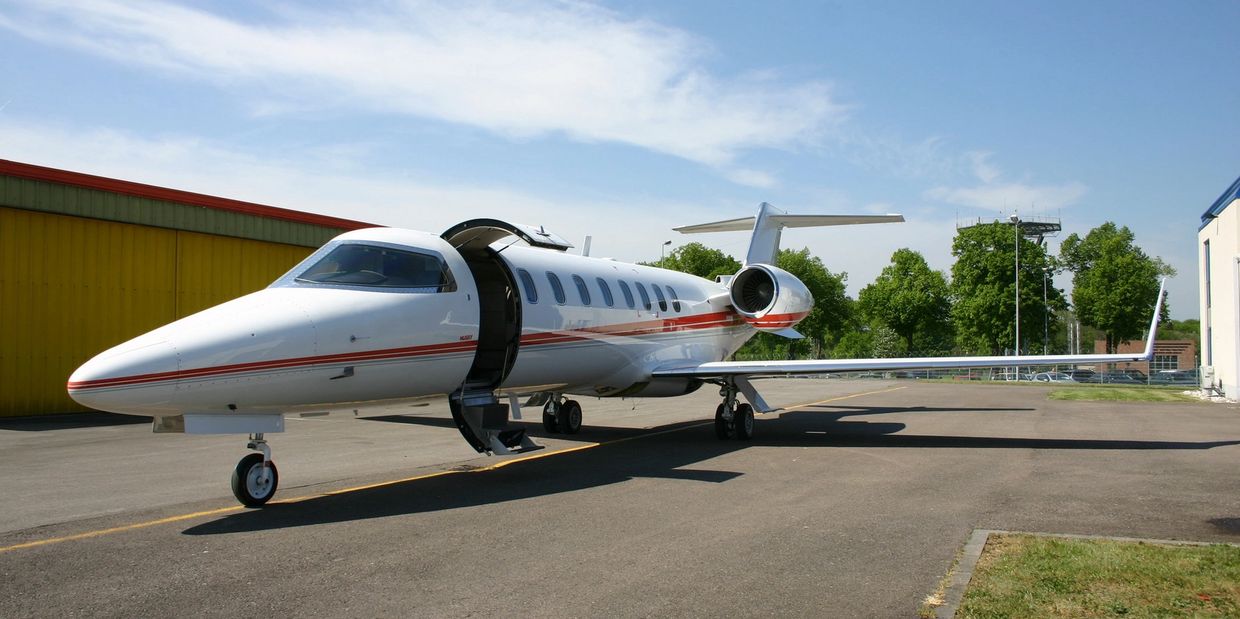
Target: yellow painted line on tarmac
[
  {"x": 121, "y": 529},
  {"x": 838, "y": 398},
  {"x": 382, "y": 484}
]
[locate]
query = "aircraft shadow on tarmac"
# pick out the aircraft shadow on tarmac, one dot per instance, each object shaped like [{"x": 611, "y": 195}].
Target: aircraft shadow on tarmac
[
  {"x": 662, "y": 456},
  {"x": 44, "y": 423}
]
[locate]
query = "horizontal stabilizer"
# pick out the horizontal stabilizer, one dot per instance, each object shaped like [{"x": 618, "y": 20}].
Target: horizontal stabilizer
[
  {"x": 790, "y": 221},
  {"x": 769, "y": 224}
]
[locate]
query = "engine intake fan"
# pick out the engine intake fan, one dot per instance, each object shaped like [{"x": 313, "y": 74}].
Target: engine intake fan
[{"x": 770, "y": 298}]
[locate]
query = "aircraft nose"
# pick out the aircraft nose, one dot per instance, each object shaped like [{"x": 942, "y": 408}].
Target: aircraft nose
[{"x": 136, "y": 377}]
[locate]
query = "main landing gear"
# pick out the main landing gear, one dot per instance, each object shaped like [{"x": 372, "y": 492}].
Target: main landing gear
[
  {"x": 255, "y": 479},
  {"x": 561, "y": 417},
  {"x": 732, "y": 418}
]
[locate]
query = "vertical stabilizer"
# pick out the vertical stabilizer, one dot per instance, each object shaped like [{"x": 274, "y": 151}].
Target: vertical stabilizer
[{"x": 764, "y": 243}]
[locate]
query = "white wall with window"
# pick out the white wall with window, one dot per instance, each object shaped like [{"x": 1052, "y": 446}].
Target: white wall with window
[{"x": 1218, "y": 250}]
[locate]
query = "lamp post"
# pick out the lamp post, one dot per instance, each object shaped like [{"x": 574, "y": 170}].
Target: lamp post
[
  {"x": 661, "y": 249},
  {"x": 1016, "y": 224},
  {"x": 1046, "y": 314}
]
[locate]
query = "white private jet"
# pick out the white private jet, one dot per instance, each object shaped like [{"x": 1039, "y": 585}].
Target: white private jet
[{"x": 488, "y": 309}]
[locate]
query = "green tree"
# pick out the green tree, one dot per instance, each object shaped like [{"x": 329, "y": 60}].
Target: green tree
[
  {"x": 912, "y": 300},
  {"x": 699, "y": 260},
  {"x": 984, "y": 289},
  {"x": 1114, "y": 283}
]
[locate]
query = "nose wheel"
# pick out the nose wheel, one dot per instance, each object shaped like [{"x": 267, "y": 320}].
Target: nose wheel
[{"x": 255, "y": 479}]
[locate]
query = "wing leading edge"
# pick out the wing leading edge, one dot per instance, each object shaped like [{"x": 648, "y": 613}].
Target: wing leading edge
[{"x": 734, "y": 369}]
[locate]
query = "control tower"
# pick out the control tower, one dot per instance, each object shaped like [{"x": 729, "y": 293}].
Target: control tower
[{"x": 1037, "y": 228}]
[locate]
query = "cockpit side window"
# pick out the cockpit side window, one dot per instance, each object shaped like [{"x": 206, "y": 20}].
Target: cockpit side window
[
  {"x": 353, "y": 264},
  {"x": 527, "y": 282}
]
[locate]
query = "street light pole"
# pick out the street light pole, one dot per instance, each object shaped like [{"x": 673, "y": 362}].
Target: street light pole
[
  {"x": 1016, "y": 223},
  {"x": 1046, "y": 315},
  {"x": 661, "y": 248}
]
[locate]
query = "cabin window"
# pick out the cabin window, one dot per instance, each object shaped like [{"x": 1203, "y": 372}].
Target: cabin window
[
  {"x": 557, "y": 288},
  {"x": 658, "y": 293},
  {"x": 628, "y": 294},
  {"x": 582, "y": 290},
  {"x": 607, "y": 298},
  {"x": 671, "y": 292},
  {"x": 527, "y": 282},
  {"x": 353, "y": 264},
  {"x": 641, "y": 290}
]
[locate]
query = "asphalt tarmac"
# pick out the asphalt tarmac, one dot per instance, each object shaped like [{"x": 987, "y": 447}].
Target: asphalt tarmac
[{"x": 853, "y": 505}]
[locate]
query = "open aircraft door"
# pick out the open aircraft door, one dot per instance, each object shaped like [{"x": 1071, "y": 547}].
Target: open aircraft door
[{"x": 482, "y": 420}]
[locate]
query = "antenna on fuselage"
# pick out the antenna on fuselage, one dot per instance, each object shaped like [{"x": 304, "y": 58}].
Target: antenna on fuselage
[{"x": 585, "y": 248}]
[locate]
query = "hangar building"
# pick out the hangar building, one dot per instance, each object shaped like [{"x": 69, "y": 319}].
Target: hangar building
[
  {"x": 88, "y": 262},
  {"x": 1218, "y": 241}
]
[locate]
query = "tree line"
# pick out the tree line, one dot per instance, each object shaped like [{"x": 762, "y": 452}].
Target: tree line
[{"x": 911, "y": 309}]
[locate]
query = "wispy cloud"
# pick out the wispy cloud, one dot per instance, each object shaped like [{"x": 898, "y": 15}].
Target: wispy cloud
[
  {"x": 522, "y": 69},
  {"x": 994, "y": 192}
]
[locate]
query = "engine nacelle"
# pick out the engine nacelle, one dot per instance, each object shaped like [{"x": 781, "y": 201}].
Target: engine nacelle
[{"x": 770, "y": 298}]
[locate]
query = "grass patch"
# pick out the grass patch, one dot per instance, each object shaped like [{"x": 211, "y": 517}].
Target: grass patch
[
  {"x": 1030, "y": 576},
  {"x": 1120, "y": 394}
]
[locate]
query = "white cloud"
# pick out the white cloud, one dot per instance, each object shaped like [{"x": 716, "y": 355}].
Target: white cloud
[
  {"x": 520, "y": 69},
  {"x": 995, "y": 194},
  {"x": 752, "y": 178},
  {"x": 1009, "y": 196}
]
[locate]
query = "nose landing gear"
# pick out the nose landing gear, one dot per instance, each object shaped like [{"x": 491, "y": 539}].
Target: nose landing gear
[{"x": 255, "y": 479}]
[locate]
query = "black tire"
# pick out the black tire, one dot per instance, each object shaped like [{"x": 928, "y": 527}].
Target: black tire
[
  {"x": 245, "y": 481},
  {"x": 723, "y": 429},
  {"x": 549, "y": 422},
  {"x": 568, "y": 418},
  {"x": 742, "y": 420}
]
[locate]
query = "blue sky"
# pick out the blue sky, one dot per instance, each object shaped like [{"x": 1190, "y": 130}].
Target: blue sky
[{"x": 624, "y": 119}]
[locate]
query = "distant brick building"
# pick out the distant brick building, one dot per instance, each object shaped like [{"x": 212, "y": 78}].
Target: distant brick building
[{"x": 1168, "y": 355}]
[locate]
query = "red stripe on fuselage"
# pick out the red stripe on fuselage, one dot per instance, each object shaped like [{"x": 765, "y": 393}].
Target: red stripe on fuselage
[
  {"x": 703, "y": 321},
  {"x": 369, "y": 355}
]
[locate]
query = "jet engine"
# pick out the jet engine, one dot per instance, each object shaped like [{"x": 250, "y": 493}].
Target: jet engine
[{"x": 770, "y": 298}]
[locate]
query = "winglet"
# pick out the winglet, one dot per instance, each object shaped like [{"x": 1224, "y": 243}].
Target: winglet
[{"x": 1149, "y": 342}]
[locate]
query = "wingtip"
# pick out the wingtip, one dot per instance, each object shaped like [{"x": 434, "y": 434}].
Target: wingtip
[{"x": 1158, "y": 304}]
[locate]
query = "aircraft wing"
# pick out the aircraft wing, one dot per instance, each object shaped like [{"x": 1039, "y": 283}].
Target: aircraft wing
[{"x": 748, "y": 369}]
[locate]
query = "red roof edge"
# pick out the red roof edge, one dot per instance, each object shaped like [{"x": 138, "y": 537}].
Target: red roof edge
[{"x": 89, "y": 181}]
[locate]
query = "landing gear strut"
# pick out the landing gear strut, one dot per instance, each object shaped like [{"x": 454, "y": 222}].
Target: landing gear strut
[
  {"x": 255, "y": 479},
  {"x": 732, "y": 418},
  {"x": 562, "y": 417}
]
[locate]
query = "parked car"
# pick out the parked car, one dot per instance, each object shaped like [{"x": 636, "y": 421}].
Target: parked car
[
  {"x": 1175, "y": 377},
  {"x": 1052, "y": 377},
  {"x": 1080, "y": 376},
  {"x": 1114, "y": 378}
]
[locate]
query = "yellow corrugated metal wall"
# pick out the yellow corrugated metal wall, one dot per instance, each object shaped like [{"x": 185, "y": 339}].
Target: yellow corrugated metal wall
[{"x": 72, "y": 287}]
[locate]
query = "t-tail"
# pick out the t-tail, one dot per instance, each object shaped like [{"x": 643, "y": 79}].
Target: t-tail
[{"x": 766, "y": 296}]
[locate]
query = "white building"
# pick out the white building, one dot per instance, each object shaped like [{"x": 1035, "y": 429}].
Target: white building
[{"x": 1218, "y": 242}]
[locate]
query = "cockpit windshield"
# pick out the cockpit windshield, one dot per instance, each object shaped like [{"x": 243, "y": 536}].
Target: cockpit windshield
[{"x": 353, "y": 264}]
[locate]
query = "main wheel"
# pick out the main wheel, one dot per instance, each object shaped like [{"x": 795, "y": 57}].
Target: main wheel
[
  {"x": 568, "y": 418},
  {"x": 742, "y": 420},
  {"x": 245, "y": 481},
  {"x": 549, "y": 422},
  {"x": 723, "y": 428}
]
